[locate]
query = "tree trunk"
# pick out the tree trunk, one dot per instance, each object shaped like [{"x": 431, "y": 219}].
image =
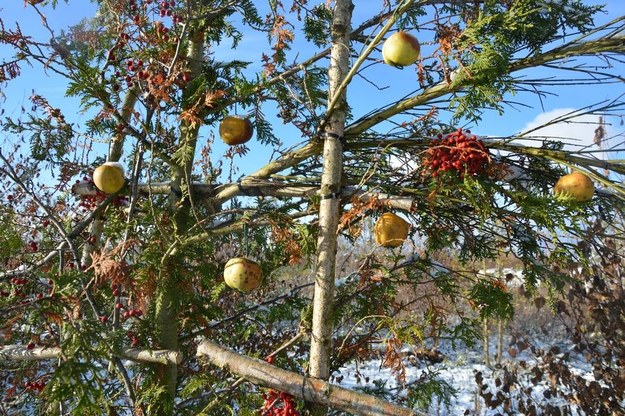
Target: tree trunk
[
  {"x": 329, "y": 209},
  {"x": 485, "y": 341},
  {"x": 500, "y": 326},
  {"x": 310, "y": 389},
  {"x": 168, "y": 296}
]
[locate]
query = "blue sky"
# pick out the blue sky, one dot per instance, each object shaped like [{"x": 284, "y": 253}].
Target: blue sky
[{"x": 396, "y": 82}]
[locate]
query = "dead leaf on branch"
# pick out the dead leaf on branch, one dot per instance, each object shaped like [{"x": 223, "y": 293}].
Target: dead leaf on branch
[
  {"x": 281, "y": 234},
  {"x": 107, "y": 268},
  {"x": 393, "y": 359},
  {"x": 446, "y": 35},
  {"x": 190, "y": 118},
  {"x": 212, "y": 97},
  {"x": 357, "y": 212}
]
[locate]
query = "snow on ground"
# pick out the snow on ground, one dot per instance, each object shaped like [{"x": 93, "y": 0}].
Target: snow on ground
[{"x": 459, "y": 371}]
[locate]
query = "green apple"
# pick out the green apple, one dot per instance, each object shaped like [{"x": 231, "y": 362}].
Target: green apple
[
  {"x": 242, "y": 274},
  {"x": 109, "y": 177},
  {"x": 401, "y": 49}
]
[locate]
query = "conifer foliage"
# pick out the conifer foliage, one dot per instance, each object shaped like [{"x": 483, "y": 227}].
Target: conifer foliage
[{"x": 105, "y": 297}]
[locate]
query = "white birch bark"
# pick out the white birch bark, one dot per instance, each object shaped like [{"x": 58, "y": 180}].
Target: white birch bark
[
  {"x": 309, "y": 389},
  {"x": 329, "y": 210}
]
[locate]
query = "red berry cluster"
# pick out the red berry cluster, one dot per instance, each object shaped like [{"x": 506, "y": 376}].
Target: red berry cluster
[
  {"x": 134, "y": 340},
  {"x": 133, "y": 312},
  {"x": 32, "y": 246},
  {"x": 278, "y": 403},
  {"x": 165, "y": 9},
  {"x": 91, "y": 201},
  {"x": 457, "y": 151},
  {"x": 19, "y": 281},
  {"x": 162, "y": 31},
  {"x": 36, "y": 386}
]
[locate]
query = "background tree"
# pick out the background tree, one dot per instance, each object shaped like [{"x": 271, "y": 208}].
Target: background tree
[{"x": 106, "y": 298}]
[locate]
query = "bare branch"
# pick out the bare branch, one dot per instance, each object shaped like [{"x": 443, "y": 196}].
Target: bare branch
[
  {"x": 305, "y": 388},
  {"x": 23, "y": 353}
]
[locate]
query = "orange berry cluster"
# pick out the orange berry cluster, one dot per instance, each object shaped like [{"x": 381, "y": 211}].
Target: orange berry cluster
[
  {"x": 458, "y": 151},
  {"x": 278, "y": 403}
]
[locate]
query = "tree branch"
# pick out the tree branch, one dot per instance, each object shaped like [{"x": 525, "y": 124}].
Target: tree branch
[
  {"x": 253, "y": 187},
  {"x": 305, "y": 388},
  {"x": 23, "y": 353}
]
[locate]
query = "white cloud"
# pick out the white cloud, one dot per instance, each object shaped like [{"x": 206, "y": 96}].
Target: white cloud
[{"x": 577, "y": 132}]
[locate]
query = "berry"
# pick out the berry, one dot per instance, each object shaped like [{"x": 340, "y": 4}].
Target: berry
[{"x": 458, "y": 152}]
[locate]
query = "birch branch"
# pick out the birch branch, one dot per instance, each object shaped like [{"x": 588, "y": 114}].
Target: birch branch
[
  {"x": 305, "y": 388},
  {"x": 23, "y": 353},
  {"x": 266, "y": 188}
]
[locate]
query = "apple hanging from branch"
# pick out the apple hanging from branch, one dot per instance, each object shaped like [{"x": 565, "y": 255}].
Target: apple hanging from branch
[
  {"x": 235, "y": 130},
  {"x": 391, "y": 230},
  {"x": 242, "y": 274},
  {"x": 576, "y": 185},
  {"x": 401, "y": 49},
  {"x": 109, "y": 177}
]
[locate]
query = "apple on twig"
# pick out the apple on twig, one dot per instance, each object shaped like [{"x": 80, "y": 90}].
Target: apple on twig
[
  {"x": 109, "y": 177},
  {"x": 401, "y": 49},
  {"x": 235, "y": 130},
  {"x": 391, "y": 230},
  {"x": 576, "y": 185},
  {"x": 242, "y": 274}
]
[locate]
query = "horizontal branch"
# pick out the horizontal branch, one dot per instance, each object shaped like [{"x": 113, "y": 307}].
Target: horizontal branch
[
  {"x": 153, "y": 356},
  {"x": 23, "y": 353},
  {"x": 305, "y": 388},
  {"x": 591, "y": 47},
  {"x": 264, "y": 188}
]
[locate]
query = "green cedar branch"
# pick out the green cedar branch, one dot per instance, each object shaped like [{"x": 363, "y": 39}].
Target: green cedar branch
[{"x": 591, "y": 47}]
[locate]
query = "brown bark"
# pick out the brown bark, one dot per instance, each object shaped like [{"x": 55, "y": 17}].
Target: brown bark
[{"x": 305, "y": 388}]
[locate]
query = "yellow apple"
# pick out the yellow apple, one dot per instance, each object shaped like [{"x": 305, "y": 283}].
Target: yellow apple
[
  {"x": 235, "y": 130},
  {"x": 576, "y": 185},
  {"x": 401, "y": 49},
  {"x": 109, "y": 177},
  {"x": 242, "y": 274},
  {"x": 390, "y": 230}
]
